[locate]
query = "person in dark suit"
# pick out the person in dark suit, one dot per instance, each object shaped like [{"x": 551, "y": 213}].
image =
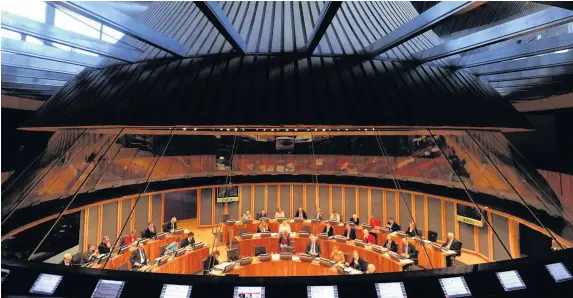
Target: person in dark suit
[
  {"x": 105, "y": 246},
  {"x": 393, "y": 225},
  {"x": 300, "y": 213},
  {"x": 354, "y": 219},
  {"x": 284, "y": 241},
  {"x": 190, "y": 240},
  {"x": 262, "y": 214},
  {"x": 409, "y": 251},
  {"x": 170, "y": 226},
  {"x": 150, "y": 232},
  {"x": 390, "y": 244},
  {"x": 67, "y": 260},
  {"x": 138, "y": 257},
  {"x": 452, "y": 244},
  {"x": 213, "y": 260},
  {"x": 328, "y": 230},
  {"x": 91, "y": 254},
  {"x": 357, "y": 262},
  {"x": 411, "y": 231},
  {"x": 313, "y": 248},
  {"x": 349, "y": 232}
]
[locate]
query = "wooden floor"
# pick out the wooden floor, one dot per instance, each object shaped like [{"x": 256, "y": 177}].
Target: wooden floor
[{"x": 206, "y": 235}]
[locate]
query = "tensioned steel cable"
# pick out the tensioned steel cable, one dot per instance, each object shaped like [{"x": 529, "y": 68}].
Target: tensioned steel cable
[
  {"x": 147, "y": 182},
  {"x": 401, "y": 192},
  {"x": 470, "y": 196},
  {"x": 33, "y": 185},
  {"x": 515, "y": 190},
  {"x": 74, "y": 197},
  {"x": 54, "y": 143}
]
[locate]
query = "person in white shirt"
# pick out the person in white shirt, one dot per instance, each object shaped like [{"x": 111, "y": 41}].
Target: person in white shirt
[
  {"x": 284, "y": 227},
  {"x": 335, "y": 216},
  {"x": 247, "y": 215},
  {"x": 318, "y": 214},
  {"x": 280, "y": 213}
]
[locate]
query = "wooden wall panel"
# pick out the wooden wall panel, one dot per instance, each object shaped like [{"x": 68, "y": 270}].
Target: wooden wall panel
[
  {"x": 434, "y": 216},
  {"x": 109, "y": 221},
  {"x": 125, "y": 210},
  {"x": 206, "y": 210},
  {"x": 285, "y": 200},
  {"x": 93, "y": 225},
  {"x": 323, "y": 200},
  {"x": 349, "y": 202},
  {"x": 501, "y": 226},
  {"x": 337, "y": 200},
  {"x": 142, "y": 212},
  {"x": 420, "y": 217},
  {"x": 391, "y": 205},
  {"x": 483, "y": 241},
  {"x": 450, "y": 219},
  {"x": 245, "y": 200},
  {"x": 233, "y": 209},
  {"x": 259, "y": 202},
  {"x": 156, "y": 205},
  {"x": 83, "y": 226},
  {"x": 311, "y": 199},
  {"x": 272, "y": 200},
  {"x": 467, "y": 236},
  {"x": 363, "y": 205},
  {"x": 405, "y": 200},
  {"x": 219, "y": 208},
  {"x": 376, "y": 204},
  {"x": 297, "y": 198}
]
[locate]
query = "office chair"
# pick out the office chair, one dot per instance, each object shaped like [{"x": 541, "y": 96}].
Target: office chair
[
  {"x": 162, "y": 249},
  {"x": 206, "y": 266},
  {"x": 241, "y": 231},
  {"x": 142, "y": 234},
  {"x": 233, "y": 254}
]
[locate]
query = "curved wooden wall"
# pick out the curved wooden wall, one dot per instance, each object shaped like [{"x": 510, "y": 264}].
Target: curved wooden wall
[{"x": 107, "y": 217}]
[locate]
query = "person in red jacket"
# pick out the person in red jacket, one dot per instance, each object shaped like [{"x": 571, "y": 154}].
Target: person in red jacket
[
  {"x": 367, "y": 237},
  {"x": 131, "y": 238},
  {"x": 374, "y": 222}
]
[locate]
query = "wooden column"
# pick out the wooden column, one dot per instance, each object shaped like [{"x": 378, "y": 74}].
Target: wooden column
[{"x": 514, "y": 238}]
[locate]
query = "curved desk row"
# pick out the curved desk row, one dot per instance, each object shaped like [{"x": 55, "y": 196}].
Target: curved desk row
[
  {"x": 382, "y": 261},
  {"x": 276, "y": 267}
]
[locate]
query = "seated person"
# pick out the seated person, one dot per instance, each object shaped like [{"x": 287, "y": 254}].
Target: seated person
[
  {"x": 213, "y": 260},
  {"x": 263, "y": 228},
  {"x": 67, "y": 261},
  {"x": 262, "y": 214},
  {"x": 367, "y": 237},
  {"x": 280, "y": 213},
  {"x": 411, "y": 231},
  {"x": 300, "y": 213},
  {"x": 335, "y": 216},
  {"x": 374, "y": 222},
  {"x": 150, "y": 232},
  {"x": 313, "y": 248},
  {"x": 452, "y": 244},
  {"x": 349, "y": 232},
  {"x": 337, "y": 255},
  {"x": 390, "y": 244},
  {"x": 318, "y": 214},
  {"x": 354, "y": 219},
  {"x": 392, "y": 225},
  {"x": 189, "y": 240},
  {"x": 105, "y": 246},
  {"x": 284, "y": 227},
  {"x": 170, "y": 226},
  {"x": 138, "y": 257},
  {"x": 129, "y": 239},
  {"x": 554, "y": 245},
  {"x": 91, "y": 254},
  {"x": 357, "y": 262},
  {"x": 371, "y": 269},
  {"x": 172, "y": 247},
  {"x": 284, "y": 242},
  {"x": 328, "y": 230},
  {"x": 408, "y": 251},
  {"x": 247, "y": 215}
]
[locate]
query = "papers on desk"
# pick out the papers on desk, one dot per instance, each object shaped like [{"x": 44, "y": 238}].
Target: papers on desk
[
  {"x": 293, "y": 234},
  {"x": 222, "y": 266},
  {"x": 295, "y": 258},
  {"x": 352, "y": 271},
  {"x": 274, "y": 234},
  {"x": 276, "y": 257},
  {"x": 257, "y": 235}
]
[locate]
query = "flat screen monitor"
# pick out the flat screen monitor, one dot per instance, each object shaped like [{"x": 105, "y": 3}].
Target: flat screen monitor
[
  {"x": 455, "y": 287},
  {"x": 559, "y": 272},
  {"x": 249, "y": 292},
  {"x": 227, "y": 194},
  {"x": 510, "y": 280},
  {"x": 46, "y": 284},
  {"x": 391, "y": 290},
  {"x": 175, "y": 291},
  {"x": 106, "y": 288},
  {"x": 322, "y": 292}
]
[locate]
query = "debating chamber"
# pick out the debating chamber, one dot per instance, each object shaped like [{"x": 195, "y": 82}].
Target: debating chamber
[{"x": 252, "y": 149}]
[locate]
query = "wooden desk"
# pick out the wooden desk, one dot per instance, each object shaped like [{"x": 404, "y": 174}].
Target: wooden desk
[
  {"x": 283, "y": 268},
  {"x": 189, "y": 263},
  {"x": 430, "y": 258},
  {"x": 382, "y": 262}
]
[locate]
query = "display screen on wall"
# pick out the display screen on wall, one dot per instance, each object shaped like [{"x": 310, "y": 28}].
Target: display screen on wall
[
  {"x": 227, "y": 194},
  {"x": 469, "y": 215}
]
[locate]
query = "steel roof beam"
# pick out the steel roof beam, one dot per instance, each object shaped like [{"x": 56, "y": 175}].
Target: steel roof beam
[
  {"x": 531, "y": 74},
  {"x": 542, "y": 20},
  {"x": 33, "y": 63},
  {"x": 217, "y": 17},
  {"x": 111, "y": 17},
  {"x": 31, "y": 81},
  {"x": 326, "y": 16},
  {"x": 37, "y": 74},
  {"x": 543, "y": 61}
]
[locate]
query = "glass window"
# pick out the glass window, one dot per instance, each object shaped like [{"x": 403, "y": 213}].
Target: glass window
[
  {"x": 76, "y": 23},
  {"x": 63, "y": 47},
  {"x": 110, "y": 35},
  {"x": 11, "y": 34},
  {"x": 35, "y": 10},
  {"x": 85, "y": 52},
  {"x": 33, "y": 40}
]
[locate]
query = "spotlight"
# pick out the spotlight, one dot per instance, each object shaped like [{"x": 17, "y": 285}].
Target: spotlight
[
  {"x": 194, "y": 128},
  {"x": 273, "y": 129},
  {"x": 308, "y": 129},
  {"x": 265, "y": 129},
  {"x": 184, "y": 128},
  {"x": 347, "y": 129},
  {"x": 295, "y": 129},
  {"x": 323, "y": 129},
  {"x": 286, "y": 129},
  {"x": 315, "y": 129},
  {"x": 236, "y": 129},
  {"x": 228, "y": 129},
  {"x": 221, "y": 129}
]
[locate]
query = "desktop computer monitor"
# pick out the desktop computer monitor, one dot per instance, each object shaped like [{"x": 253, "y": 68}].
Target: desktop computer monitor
[
  {"x": 432, "y": 236},
  {"x": 259, "y": 250}
]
